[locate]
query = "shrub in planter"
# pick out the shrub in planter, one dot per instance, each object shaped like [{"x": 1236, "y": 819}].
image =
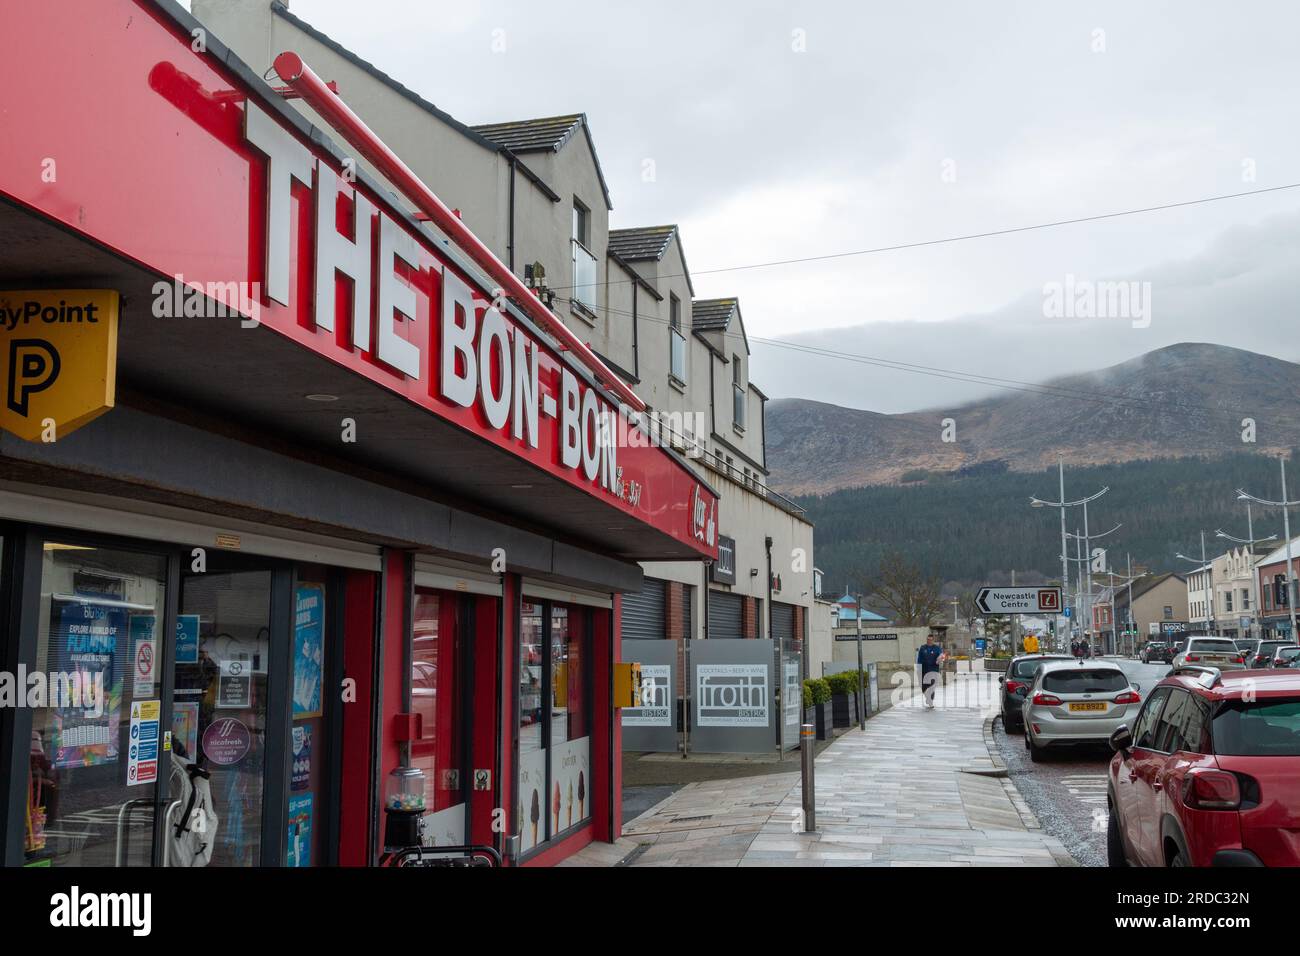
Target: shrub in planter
[{"x": 818, "y": 712}]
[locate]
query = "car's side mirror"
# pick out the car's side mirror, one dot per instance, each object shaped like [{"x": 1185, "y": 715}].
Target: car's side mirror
[
  {"x": 1002, "y": 680},
  {"x": 1121, "y": 740},
  {"x": 1137, "y": 686}
]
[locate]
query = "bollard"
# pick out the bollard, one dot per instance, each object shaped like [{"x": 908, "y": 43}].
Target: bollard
[{"x": 808, "y": 751}]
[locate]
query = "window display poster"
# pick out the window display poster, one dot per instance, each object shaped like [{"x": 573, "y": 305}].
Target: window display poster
[
  {"x": 570, "y": 802},
  {"x": 185, "y": 728},
  {"x": 530, "y": 818},
  {"x": 308, "y": 649},
  {"x": 142, "y": 749},
  {"x": 187, "y": 639},
  {"x": 298, "y": 848},
  {"x": 89, "y": 642},
  {"x": 300, "y": 772}
]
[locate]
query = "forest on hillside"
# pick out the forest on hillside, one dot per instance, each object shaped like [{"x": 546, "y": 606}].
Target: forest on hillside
[{"x": 972, "y": 529}]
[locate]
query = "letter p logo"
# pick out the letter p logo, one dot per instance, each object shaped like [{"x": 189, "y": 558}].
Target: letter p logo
[{"x": 33, "y": 367}]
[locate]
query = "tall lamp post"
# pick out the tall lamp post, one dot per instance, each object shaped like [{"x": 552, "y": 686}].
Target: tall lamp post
[
  {"x": 1084, "y": 560},
  {"x": 1211, "y": 615},
  {"x": 1286, "y": 533},
  {"x": 1063, "y": 504},
  {"x": 1250, "y": 541}
]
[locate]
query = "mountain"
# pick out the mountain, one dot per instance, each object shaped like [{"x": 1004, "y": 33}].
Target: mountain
[{"x": 1183, "y": 400}]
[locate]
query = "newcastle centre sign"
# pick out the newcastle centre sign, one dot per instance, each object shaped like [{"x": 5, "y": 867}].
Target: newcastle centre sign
[{"x": 995, "y": 600}]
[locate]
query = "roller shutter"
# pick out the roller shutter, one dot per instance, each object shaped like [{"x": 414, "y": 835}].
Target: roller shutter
[
  {"x": 724, "y": 615},
  {"x": 643, "y": 612}
]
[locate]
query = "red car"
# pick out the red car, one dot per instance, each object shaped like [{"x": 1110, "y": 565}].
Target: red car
[{"x": 1209, "y": 775}]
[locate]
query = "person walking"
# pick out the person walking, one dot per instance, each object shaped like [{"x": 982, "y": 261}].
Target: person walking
[{"x": 930, "y": 657}]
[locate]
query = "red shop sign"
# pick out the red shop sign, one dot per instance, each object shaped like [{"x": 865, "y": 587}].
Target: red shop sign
[{"x": 174, "y": 164}]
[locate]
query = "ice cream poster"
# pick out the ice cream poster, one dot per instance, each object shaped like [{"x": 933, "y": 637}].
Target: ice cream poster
[
  {"x": 570, "y": 796},
  {"x": 88, "y": 637},
  {"x": 308, "y": 649},
  {"x": 531, "y": 810}
]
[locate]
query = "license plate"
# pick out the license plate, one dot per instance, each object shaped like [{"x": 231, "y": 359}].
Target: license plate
[{"x": 1087, "y": 706}]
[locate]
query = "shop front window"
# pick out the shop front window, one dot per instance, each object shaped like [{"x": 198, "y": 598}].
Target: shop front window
[
  {"x": 530, "y": 815},
  {"x": 437, "y": 652},
  {"x": 220, "y": 713},
  {"x": 554, "y": 743},
  {"x": 95, "y": 757}
]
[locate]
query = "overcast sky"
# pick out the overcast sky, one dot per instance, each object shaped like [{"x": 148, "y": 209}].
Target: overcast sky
[{"x": 783, "y": 130}]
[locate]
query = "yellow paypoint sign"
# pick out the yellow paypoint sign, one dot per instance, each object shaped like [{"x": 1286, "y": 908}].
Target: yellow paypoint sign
[{"x": 58, "y": 359}]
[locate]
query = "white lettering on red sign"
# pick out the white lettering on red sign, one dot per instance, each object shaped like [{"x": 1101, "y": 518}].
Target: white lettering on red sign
[{"x": 492, "y": 364}]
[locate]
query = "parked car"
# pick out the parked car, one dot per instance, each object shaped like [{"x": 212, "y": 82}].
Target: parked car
[
  {"x": 1076, "y": 702},
  {"x": 1288, "y": 655},
  {"x": 1206, "y": 774},
  {"x": 1154, "y": 652},
  {"x": 1248, "y": 646},
  {"x": 1220, "y": 652},
  {"x": 1016, "y": 683},
  {"x": 1264, "y": 653}
]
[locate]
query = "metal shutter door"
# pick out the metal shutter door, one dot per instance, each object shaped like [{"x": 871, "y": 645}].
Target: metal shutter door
[
  {"x": 643, "y": 612},
  {"x": 782, "y": 623},
  {"x": 724, "y": 615}
]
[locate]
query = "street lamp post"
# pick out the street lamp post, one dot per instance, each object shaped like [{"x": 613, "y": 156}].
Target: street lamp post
[
  {"x": 1285, "y": 505},
  {"x": 1211, "y": 616},
  {"x": 1084, "y": 561},
  {"x": 1250, "y": 541},
  {"x": 1063, "y": 504}
]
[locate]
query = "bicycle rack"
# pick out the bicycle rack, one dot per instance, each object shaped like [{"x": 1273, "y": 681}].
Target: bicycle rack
[{"x": 474, "y": 855}]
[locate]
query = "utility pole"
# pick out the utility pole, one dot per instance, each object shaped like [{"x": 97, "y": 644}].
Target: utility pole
[
  {"x": 1128, "y": 610},
  {"x": 862, "y": 710},
  {"x": 1285, "y": 505},
  {"x": 1250, "y": 541},
  {"x": 1063, "y": 504},
  {"x": 1208, "y": 569}
]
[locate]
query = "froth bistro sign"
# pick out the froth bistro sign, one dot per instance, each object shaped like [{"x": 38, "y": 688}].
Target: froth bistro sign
[{"x": 58, "y": 360}]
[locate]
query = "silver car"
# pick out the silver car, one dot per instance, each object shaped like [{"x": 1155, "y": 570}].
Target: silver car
[
  {"x": 1220, "y": 652},
  {"x": 1077, "y": 702}
]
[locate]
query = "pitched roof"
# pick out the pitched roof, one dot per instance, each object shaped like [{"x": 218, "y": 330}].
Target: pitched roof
[
  {"x": 281, "y": 10},
  {"x": 547, "y": 134},
  {"x": 526, "y": 136},
  {"x": 641, "y": 243},
  {"x": 712, "y": 315}
]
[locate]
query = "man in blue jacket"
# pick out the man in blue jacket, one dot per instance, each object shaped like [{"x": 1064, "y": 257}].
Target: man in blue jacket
[{"x": 929, "y": 656}]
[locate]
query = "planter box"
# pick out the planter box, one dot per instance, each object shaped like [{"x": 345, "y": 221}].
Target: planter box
[
  {"x": 824, "y": 720},
  {"x": 844, "y": 710},
  {"x": 996, "y": 665}
]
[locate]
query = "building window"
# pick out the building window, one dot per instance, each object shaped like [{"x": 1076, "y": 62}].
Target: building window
[
  {"x": 1227, "y": 598},
  {"x": 676, "y": 341},
  {"x": 584, "y": 263},
  {"x": 1245, "y": 600},
  {"x": 1169, "y": 612},
  {"x": 737, "y": 394},
  {"x": 581, "y": 223}
]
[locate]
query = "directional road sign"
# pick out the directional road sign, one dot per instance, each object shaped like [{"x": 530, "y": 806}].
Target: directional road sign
[{"x": 995, "y": 600}]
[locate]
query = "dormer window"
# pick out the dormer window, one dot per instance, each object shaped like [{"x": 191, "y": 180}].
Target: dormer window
[{"x": 584, "y": 263}]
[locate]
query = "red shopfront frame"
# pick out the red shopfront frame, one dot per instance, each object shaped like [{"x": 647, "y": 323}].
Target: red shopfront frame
[{"x": 174, "y": 183}]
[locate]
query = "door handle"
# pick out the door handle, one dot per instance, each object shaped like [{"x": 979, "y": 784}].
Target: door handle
[{"x": 1157, "y": 783}]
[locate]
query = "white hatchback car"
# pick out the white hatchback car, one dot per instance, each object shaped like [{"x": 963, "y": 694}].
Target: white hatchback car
[
  {"x": 1220, "y": 652},
  {"x": 1077, "y": 702}
]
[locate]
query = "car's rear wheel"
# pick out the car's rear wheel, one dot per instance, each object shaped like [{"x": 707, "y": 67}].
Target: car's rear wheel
[
  {"x": 1178, "y": 859},
  {"x": 1114, "y": 841},
  {"x": 1035, "y": 751}
]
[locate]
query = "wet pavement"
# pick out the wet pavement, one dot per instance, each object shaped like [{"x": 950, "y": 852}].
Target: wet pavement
[{"x": 1067, "y": 790}]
